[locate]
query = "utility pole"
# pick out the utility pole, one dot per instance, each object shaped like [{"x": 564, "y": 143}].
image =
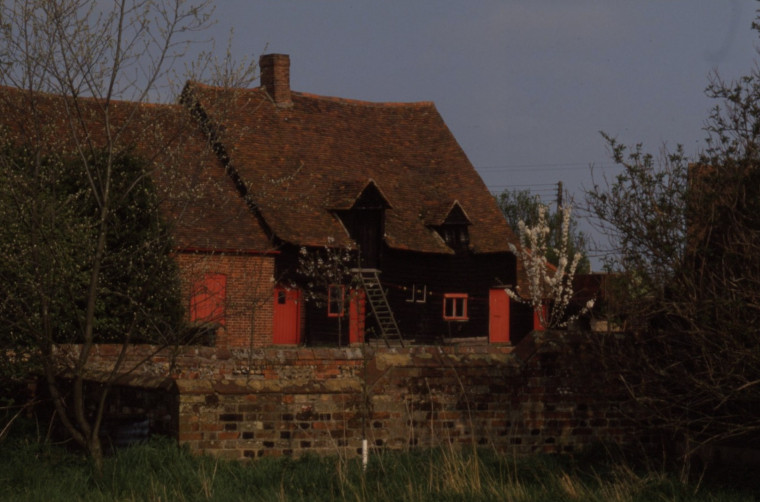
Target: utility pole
[{"x": 559, "y": 195}]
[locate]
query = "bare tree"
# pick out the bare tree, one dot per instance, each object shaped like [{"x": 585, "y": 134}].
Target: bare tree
[
  {"x": 686, "y": 237},
  {"x": 80, "y": 77}
]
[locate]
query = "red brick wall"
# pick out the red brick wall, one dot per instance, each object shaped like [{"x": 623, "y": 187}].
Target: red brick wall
[
  {"x": 249, "y": 294},
  {"x": 538, "y": 397}
]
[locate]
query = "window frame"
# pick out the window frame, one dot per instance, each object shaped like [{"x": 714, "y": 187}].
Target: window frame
[
  {"x": 453, "y": 300},
  {"x": 331, "y": 300}
]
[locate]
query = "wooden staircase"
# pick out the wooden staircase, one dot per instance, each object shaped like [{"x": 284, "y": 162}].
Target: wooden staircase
[{"x": 377, "y": 300}]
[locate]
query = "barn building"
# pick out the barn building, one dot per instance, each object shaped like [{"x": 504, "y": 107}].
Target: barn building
[{"x": 370, "y": 223}]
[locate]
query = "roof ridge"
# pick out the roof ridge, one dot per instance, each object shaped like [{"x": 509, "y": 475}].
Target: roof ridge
[
  {"x": 88, "y": 99},
  {"x": 332, "y": 99},
  {"x": 359, "y": 102}
]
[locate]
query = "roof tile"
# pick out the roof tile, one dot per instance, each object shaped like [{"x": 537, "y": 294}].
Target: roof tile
[{"x": 302, "y": 162}]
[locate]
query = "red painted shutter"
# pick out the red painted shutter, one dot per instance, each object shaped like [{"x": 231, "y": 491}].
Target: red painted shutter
[{"x": 208, "y": 299}]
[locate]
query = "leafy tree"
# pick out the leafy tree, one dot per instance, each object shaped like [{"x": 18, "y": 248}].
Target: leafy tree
[
  {"x": 85, "y": 252},
  {"x": 47, "y": 212},
  {"x": 521, "y": 205},
  {"x": 685, "y": 236}
]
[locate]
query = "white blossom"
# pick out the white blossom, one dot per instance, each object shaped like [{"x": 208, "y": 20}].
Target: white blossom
[{"x": 547, "y": 285}]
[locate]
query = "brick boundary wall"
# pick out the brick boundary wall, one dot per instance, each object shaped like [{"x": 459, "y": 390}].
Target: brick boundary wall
[{"x": 545, "y": 395}]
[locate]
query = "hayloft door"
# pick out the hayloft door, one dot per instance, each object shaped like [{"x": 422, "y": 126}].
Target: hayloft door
[
  {"x": 369, "y": 236},
  {"x": 498, "y": 316},
  {"x": 365, "y": 222},
  {"x": 287, "y": 316}
]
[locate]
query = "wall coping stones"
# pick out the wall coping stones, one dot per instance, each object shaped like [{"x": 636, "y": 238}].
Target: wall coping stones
[
  {"x": 249, "y": 386},
  {"x": 154, "y": 364}
]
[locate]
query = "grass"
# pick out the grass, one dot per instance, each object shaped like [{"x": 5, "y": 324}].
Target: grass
[{"x": 160, "y": 471}]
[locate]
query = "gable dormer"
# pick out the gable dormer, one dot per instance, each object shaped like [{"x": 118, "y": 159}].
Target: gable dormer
[
  {"x": 362, "y": 213},
  {"x": 454, "y": 228}
]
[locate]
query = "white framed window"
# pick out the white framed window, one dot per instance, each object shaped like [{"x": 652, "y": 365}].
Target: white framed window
[
  {"x": 455, "y": 307},
  {"x": 336, "y": 301}
]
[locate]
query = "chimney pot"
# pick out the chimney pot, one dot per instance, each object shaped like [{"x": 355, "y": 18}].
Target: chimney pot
[{"x": 275, "y": 77}]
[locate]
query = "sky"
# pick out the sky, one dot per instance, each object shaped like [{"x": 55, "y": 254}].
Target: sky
[{"x": 525, "y": 86}]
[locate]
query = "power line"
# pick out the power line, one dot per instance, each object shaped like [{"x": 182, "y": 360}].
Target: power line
[
  {"x": 531, "y": 185},
  {"x": 547, "y": 167},
  {"x": 526, "y": 187}
]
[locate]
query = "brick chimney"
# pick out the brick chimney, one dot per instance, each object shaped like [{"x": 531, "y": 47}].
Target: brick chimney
[{"x": 275, "y": 77}]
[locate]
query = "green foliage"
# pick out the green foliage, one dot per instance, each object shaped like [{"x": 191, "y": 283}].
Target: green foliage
[
  {"x": 158, "y": 470},
  {"x": 521, "y": 205},
  {"x": 140, "y": 280},
  {"x": 49, "y": 216}
]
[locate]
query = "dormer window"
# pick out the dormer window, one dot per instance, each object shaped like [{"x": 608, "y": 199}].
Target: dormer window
[
  {"x": 364, "y": 220},
  {"x": 455, "y": 236},
  {"x": 454, "y": 229}
]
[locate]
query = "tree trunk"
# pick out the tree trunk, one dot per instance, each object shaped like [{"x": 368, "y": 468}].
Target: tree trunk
[{"x": 95, "y": 450}]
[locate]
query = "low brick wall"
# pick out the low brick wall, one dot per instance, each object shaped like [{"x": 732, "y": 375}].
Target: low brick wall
[{"x": 545, "y": 395}]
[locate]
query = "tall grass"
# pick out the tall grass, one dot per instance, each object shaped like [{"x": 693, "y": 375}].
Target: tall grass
[{"x": 160, "y": 471}]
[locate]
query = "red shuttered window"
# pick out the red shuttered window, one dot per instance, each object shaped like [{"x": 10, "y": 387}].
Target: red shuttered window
[{"x": 207, "y": 302}]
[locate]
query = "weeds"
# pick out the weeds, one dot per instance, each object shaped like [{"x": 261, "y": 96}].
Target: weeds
[{"x": 160, "y": 471}]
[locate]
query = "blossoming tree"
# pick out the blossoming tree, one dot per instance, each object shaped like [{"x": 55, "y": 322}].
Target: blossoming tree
[{"x": 550, "y": 288}]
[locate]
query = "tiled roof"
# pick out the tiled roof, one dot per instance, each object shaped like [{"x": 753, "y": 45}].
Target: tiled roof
[
  {"x": 437, "y": 215},
  {"x": 197, "y": 196},
  {"x": 299, "y": 162},
  {"x": 343, "y": 195}
]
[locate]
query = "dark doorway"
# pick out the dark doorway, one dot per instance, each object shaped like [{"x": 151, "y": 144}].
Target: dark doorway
[{"x": 365, "y": 223}]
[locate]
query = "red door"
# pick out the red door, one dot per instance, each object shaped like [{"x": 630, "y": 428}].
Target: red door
[
  {"x": 498, "y": 316},
  {"x": 357, "y": 311},
  {"x": 287, "y": 316}
]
